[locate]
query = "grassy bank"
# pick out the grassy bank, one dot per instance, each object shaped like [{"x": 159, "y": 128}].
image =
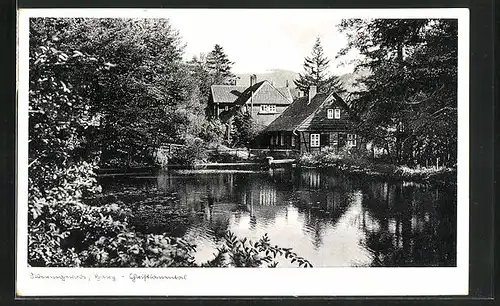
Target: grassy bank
[{"x": 353, "y": 164}]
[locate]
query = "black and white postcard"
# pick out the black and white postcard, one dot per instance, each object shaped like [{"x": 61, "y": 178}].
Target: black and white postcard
[{"x": 233, "y": 152}]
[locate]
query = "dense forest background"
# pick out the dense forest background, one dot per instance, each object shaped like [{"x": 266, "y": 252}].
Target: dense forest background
[
  {"x": 408, "y": 104},
  {"x": 106, "y": 92}
]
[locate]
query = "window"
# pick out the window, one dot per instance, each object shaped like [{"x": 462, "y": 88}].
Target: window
[
  {"x": 226, "y": 108},
  {"x": 351, "y": 140},
  {"x": 292, "y": 140},
  {"x": 314, "y": 140},
  {"x": 330, "y": 113},
  {"x": 337, "y": 113},
  {"x": 282, "y": 139},
  {"x": 264, "y": 108},
  {"x": 275, "y": 139}
]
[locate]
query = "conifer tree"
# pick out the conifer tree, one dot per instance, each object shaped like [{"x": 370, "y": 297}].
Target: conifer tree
[
  {"x": 316, "y": 72},
  {"x": 219, "y": 67}
]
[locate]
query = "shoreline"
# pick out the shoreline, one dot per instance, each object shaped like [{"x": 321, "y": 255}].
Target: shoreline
[
  {"x": 344, "y": 167},
  {"x": 447, "y": 176}
]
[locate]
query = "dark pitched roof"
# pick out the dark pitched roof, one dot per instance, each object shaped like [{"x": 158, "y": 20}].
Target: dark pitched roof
[
  {"x": 296, "y": 113},
  {"x": 302, "y": 116},
  {"x": 319, "y": 121}
]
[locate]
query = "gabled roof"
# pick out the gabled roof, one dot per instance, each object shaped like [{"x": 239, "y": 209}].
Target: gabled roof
[
  {"x": 263, "y": 92},
  {"x": 226, "y": 93},
  {"x": 300, "y": 114},
  {"x": 296, "y": 113},
  {"x": 267, "y": 93}
]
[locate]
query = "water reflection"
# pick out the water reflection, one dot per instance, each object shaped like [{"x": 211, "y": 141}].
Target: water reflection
[
  {"x": 328, "y": 219},
  {"x": 406, "y": 225}
]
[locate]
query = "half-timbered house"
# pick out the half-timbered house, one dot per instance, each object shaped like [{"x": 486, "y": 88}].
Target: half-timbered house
[{"x": 311, "y": 123}]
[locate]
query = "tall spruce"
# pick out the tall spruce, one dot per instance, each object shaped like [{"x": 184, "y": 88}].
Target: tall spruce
[
  {"x": 219, "y": 67},
  {"x": 316, "y": 72}
]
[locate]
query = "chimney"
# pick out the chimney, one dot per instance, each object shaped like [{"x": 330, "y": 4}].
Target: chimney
[
  {"x": 253, "y": 79},
  {"x": 312, "y": 92}
]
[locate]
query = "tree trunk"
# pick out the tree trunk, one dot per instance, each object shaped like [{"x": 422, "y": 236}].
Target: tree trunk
[{"x": 400, "y": 53}]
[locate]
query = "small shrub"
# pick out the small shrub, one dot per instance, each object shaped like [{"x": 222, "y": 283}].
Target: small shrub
[
  {"x": 342, "y": 158},
  {"x": 191, "y": 153},
  {"x": 236, "y": 252}
]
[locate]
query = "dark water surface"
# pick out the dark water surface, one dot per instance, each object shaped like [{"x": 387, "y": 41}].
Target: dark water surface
[{"x": 326, "y": 218}]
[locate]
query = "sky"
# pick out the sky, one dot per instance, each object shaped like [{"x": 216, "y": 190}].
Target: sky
[{"x": 260, "y": 40}]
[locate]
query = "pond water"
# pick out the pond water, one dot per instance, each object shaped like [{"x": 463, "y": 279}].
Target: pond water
[{"x": 326, "y": 218}]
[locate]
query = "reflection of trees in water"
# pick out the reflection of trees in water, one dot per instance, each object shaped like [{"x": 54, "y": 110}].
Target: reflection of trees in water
[
  {"x": 193, "y": 188},
  {"x": 409, "y": 225},
  {"x": 404, "y": 224},
  {"x": 320, "y": 209},
  {"x": 322, "y": 199}
]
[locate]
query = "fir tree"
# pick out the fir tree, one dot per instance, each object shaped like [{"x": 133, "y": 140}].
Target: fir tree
[
  {"x": 219, "y": 67},
  {"x": 316, "y": 72}
]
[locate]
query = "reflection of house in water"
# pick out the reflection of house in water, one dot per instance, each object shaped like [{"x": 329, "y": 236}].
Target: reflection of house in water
[
  {"x": 312, "y": 179},
  {"x": 267, "y": 196},
  {"x": 255, "y": 200}
]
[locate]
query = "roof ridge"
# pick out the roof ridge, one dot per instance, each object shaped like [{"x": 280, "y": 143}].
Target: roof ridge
[
  {"x": 253, "y": 93},
  {"x": 298, "y": 113},
  {"x": 271, "y": 84},
  {"x": 285, "y": 112},
  {"x": 277, "y": 89}
]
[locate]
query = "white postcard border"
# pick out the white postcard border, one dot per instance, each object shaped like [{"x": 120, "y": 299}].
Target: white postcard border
[{"x": 244, "y": 281}]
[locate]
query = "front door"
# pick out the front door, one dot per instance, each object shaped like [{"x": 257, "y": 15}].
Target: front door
[{"x": 324, "y": 140}]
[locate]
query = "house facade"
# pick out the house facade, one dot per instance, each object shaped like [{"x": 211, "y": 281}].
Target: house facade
[
  {"x": 311, "y": 123},
  {"x": 262, "y": 100}
]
